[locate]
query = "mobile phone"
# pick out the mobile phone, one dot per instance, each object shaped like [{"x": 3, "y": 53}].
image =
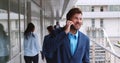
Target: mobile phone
[{"x": 71, "y": 27}]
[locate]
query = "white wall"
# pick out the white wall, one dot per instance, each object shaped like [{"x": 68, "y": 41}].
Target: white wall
[
  {"x": 98, "y": 2},
  {"x": 101, "y": 14},
  {"x": 112, "y": 27}
]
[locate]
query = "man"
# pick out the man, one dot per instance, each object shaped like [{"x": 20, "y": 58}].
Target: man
[
  {"x": 57, "y": 25},
  {"x": 68, "y": 44},
  {"x": 44, "y": 48}
]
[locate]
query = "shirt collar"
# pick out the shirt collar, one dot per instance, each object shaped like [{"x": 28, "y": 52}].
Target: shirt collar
[{"x": 76, "y": 35}]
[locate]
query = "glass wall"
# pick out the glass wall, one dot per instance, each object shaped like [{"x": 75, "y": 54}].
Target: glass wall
[
  {"x": 14, "y": 16},
  {"x": 11, "y": 30},
  {"x": 23, "y": 22},
  {"x": 4, "y": 34},
  {"x": 14, "y": 25},
  {"x": 22, "y": 19}
]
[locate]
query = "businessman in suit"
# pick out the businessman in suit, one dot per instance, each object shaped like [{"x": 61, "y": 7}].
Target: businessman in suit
[
  {"x": 44, "y": 52},
  {"x": 68, "y": 44}
]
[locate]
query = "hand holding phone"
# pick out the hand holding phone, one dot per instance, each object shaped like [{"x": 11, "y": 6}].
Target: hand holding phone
[
  {"x": 69, "y": 25},
  {"x": 72, "y": 27}
]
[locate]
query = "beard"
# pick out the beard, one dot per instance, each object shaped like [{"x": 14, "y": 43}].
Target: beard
[
  {"x": 72, "y": 27},
  {"x": 76, "y": 26}
]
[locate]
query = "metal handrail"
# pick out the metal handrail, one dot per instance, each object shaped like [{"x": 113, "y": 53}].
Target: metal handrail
[
  {"x": 106, "y": 49},
  {"x": 105, "y": 35}
]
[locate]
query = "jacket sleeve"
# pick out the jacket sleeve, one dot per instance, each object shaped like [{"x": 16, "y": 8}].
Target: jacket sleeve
[
  {"x": 43, "y": 52},
  {"x": 54, "y": 40},
  {"x": 86, "y": 58}
]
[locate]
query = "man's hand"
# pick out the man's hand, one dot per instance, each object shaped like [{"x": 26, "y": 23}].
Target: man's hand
[
  {"x": 67, "y": 26},
  {"x": 42, "y": 55}
]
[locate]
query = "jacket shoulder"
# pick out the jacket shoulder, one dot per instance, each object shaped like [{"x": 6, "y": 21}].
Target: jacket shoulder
[{"x": 83, "y": 35}]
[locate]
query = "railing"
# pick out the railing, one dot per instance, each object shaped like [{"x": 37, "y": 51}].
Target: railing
[
  {"x": 107, "y": 40},
  {"x": 107, "y": 56},
  {"x": 103, "y": 50}
]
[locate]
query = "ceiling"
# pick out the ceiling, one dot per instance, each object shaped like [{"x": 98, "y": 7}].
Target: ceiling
[
  {"x": 53, "y": 9},
  {"x": 56, "y": 9}
]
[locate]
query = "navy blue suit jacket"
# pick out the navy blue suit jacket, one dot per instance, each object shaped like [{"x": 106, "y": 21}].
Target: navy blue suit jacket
[{"x": 57, "y": 47}]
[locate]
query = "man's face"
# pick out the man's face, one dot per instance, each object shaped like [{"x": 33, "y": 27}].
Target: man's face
[{"x": 77, "y": 21}]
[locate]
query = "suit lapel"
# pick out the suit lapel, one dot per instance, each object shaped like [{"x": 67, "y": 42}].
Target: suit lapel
[{"x": 67, "y": 47}]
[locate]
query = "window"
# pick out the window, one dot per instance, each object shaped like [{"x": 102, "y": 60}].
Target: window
[
  {"x": 101, "y": 22},
  {"x": 93, "y": 33},
  {"x": 4, "y": 33},
  {"x": 114, "y": 8},
  {"x": 93, "y": 26},
  {"x": 17, "y": 24},
  {"x": 101, "y": 33},
  {"x": 85, "y": 8},
  {"x": 92, "y": 9},
  {"x": 101, "y": 9},
  {"x": 93, "y": 22}
]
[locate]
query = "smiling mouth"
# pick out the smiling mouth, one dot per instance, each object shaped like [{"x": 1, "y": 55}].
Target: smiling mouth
[{"x": 77, "y": 24}]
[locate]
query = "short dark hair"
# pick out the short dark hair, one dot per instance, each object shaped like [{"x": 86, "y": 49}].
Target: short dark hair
[
  {"x": 72, "y": 12},
  {"x": 50, "y": 28}
]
